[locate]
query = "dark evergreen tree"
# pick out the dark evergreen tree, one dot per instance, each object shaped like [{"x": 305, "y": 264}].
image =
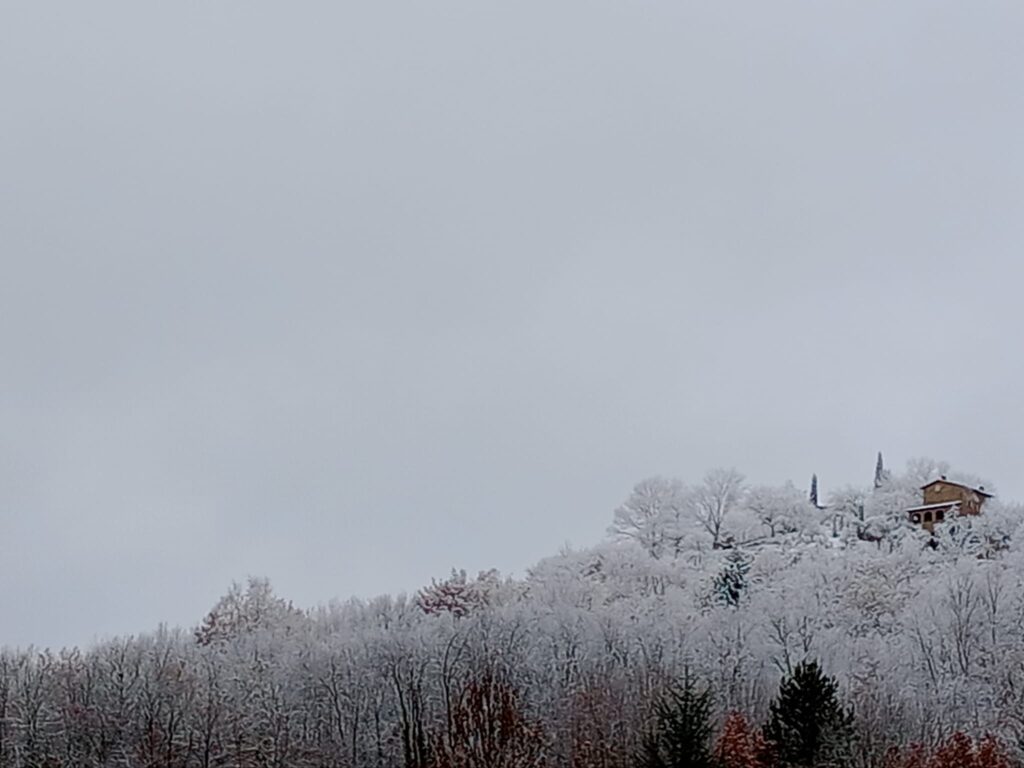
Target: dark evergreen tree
[
  {"x": 731, "y": 581},
  {"x": 807, "y": 725},
  {"x": 814, "y": 490},
  {"x": 880, "y": 473},
  {"x": 682, "y": 731},
  {"x": 650, "y": 753}
]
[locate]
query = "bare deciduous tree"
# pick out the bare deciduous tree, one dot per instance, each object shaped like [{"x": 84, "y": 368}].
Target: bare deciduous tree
[
  {"x": 651, "y": 515},
  {"x": 715, "y": 498}
]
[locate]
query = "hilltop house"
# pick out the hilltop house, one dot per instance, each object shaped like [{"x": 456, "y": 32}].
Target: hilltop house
[{"x": 944, "y": 498}]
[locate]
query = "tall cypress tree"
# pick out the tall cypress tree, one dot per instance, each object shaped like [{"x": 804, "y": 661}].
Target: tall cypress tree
[
  {"x": 807, "y": 725},
  {"x": 814, "y": 490},
  {"x": 682, "y": 734},
  {"x": 879, "y": 471}
]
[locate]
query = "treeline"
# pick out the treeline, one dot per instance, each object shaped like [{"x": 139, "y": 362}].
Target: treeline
[
  {"x": 723, "y": 626},
  {"x": 165, "y": 702}
]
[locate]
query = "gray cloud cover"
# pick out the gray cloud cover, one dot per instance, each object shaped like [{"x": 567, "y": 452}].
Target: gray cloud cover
[{"x": 346, "y": 294}]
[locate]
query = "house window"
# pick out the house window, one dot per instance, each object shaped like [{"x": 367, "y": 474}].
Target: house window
[
  {"x": 915, "y": 517},
  {"x": 940, "y": 515},
  {"x": 927, "y": 517}
]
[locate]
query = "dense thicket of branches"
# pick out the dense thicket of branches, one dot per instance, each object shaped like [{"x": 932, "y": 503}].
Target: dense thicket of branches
[{"x": 737, "y": 589}]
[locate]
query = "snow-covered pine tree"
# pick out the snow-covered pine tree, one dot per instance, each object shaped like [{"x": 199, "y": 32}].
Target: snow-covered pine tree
[
  {"x": 814, "y": 490},
  {"x": 731, "y": 581}
]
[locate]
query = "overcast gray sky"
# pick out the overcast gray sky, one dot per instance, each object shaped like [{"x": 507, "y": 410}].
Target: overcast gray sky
[{"x": 347, "y": 294}]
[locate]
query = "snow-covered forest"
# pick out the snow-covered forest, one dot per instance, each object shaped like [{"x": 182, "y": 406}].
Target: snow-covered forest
[{"x": 698, "y": 624}]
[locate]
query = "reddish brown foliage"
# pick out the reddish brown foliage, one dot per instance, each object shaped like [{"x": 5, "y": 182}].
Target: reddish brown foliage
[
  {"x": 599, "y": 738},
  {"x": 740, "y": 745},
  {"x": 991, "y": 754},
  {"x": 489, "y": 729},
  {"x": 959, "y": 751}
]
